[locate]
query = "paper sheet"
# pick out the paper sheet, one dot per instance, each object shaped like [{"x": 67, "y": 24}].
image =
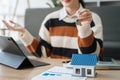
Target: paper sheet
[{"x": 58, "y": 73}]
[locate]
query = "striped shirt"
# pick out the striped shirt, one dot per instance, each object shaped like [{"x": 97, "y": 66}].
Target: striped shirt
[{"x": 61, "y": 36}]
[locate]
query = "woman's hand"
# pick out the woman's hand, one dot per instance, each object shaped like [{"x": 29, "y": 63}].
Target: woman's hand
[
  {"x": 85, "y": 17},
  {"x": 14, "y": 26}
]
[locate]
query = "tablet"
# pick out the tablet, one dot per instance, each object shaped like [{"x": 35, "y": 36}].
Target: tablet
[{"x": 11, "y": 54}]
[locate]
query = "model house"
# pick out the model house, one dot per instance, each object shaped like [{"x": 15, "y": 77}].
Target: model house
[{"x": 84, "y": 65}]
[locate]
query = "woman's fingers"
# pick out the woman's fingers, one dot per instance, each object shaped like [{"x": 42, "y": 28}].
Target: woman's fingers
[
  {"x": 14, "y": 26},
  {"x": 6, "y": 24},
  {"x": 85, "y": 16},
  {"x": 85, "y": 13},
  {"x": 12, "y": 22},
  {"x": 10, "y": 27}
]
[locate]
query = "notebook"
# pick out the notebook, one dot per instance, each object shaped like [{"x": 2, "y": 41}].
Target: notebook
[
  {"x": 13, "y": 55},
  {"x": 108, "y": 64}
]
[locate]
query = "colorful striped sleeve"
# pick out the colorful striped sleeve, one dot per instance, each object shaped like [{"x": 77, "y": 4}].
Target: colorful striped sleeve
[
  {"x": 32, "y": 44},
  {"x": 90, "y": 38}
]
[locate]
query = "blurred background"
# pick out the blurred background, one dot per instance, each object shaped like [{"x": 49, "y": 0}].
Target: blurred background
[{"x": 15, "y": 10}]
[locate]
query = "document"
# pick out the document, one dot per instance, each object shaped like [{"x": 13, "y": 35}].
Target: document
[{"x": 57, "y": 73}]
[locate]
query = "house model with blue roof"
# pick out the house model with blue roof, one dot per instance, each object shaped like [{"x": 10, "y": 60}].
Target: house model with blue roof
[{"x": 84, "y": 64}]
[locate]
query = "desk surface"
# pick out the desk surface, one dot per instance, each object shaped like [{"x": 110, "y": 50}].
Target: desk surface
[{"x": 7, "y": 73}]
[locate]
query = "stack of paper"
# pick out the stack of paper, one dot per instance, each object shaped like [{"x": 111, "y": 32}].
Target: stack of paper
[{"x": 58, "y": 73}]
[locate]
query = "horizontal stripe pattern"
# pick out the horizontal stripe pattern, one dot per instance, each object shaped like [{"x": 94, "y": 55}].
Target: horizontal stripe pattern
[
  {"x": 65, "y": 42},
  {"x": 55, "y": 22},
  {"x": 44, "y": 34},
  {"x": 46, "y": 44},
  {"x": 64, "y": 31},
  {"x": 38, "y": 52},
  {"x": 58, "y": 56},
  {"x": 92, "y": 48},
  {"x": 100, "y": 42},
  {"x": 89, "y": 49},
  {"x": 34, "y": 47},
  {"x": 86, "y": 42},
  {"x": 65, "y": 35},
  {"x": 64, "y": 51},
  {"x": 59, "y": 38}
]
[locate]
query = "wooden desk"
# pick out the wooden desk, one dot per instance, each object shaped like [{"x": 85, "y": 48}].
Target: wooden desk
[{"x": 7, "y": 73}]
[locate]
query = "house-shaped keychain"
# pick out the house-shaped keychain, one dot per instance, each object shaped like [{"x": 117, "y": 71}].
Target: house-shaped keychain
[{"x": 84, "y": 65}]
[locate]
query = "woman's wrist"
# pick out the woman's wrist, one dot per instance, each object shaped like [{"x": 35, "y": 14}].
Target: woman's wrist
[{"x": 21, "y": 32}]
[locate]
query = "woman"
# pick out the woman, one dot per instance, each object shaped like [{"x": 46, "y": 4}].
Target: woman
[{"x": 72, "y": 29}]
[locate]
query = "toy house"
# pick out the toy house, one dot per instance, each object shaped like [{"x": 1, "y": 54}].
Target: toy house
[{"x": 84, "y": 65}]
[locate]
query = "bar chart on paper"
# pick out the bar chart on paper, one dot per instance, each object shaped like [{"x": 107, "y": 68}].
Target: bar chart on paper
[{"x": 57, "y": 73}]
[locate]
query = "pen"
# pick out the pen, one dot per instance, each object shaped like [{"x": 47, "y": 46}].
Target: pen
[{"x": 65, "y": 61}]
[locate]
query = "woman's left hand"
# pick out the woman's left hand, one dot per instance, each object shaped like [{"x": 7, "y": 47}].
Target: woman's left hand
[{"x": 85, "y": 17}]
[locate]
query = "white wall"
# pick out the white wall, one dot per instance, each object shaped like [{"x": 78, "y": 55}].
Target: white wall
[
  {"x": 8, "y": 6},
  {"x": 7, "y": 9},
  {"x": 22, "y": 5}
]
